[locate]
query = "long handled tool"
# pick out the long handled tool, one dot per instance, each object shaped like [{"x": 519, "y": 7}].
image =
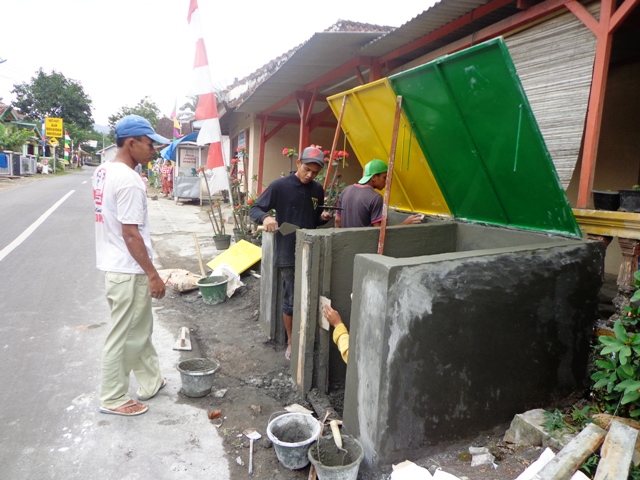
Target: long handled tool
[
  {"x": 252, "y": 435},
  {"x": 387, "y": 187},
  {"x": 202, "y": 271}
]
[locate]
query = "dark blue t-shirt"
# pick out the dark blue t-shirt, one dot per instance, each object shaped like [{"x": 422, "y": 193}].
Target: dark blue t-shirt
[
  {"x": 295, "y": 202},
  {"x": 362, "y": 206}
]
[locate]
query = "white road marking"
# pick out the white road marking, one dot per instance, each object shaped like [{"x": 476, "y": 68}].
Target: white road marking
[{"x": 24, "y": 235}]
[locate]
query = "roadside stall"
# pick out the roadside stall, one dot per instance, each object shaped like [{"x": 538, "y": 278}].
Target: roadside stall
[{"x": 188, "y": 158}]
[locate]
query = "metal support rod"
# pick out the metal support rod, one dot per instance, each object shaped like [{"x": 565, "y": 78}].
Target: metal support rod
[
  {"x": 335, "y": 143},
  {"x": 387, "y": 187}
]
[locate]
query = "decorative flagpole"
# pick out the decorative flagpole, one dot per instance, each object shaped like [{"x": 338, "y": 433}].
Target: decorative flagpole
[{"x": 207, "y": 109}]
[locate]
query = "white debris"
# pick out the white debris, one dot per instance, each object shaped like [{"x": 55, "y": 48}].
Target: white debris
[
  {"x": 410, "y": 471},
  {"x": 220, "y": 393},
  {"x": 239, "y": 461},
  {"x": 481, "y": 456}
]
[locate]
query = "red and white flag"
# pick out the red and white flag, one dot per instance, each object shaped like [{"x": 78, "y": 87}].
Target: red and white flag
[{"x": 206, "y": 109}]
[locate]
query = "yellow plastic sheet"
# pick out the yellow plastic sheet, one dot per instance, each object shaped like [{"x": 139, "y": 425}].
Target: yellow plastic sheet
[{"x": 240, "y": 257}]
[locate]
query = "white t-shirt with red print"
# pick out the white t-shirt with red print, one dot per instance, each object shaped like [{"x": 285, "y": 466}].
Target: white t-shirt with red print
[{"x": 119, "y": 199}]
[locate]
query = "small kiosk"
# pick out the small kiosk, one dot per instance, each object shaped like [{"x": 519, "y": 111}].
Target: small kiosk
[{"x": 188, "y": 157}]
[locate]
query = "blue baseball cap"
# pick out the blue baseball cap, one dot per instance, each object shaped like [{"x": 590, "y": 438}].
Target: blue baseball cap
[{"x": 135, "y": 126}]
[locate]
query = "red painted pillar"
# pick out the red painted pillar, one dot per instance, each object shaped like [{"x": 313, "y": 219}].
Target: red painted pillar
[
  {"x": 596, "y": 101},
  {"x": 263, "y": 132}
]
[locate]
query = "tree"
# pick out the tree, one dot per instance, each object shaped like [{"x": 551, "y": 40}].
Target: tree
[
  {"x": 188, "y": 110},
  {"x": 146, "y": 108},
  {"x": 53, "y": 95},
  {"x": 12, "y": 138}
]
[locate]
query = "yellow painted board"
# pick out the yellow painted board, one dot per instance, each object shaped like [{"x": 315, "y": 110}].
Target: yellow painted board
[
  {"x": 368, "y": 125},
  {"x": 239, "y": 257}
]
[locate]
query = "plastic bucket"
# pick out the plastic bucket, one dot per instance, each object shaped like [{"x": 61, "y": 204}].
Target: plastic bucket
[
  {"x": 197, "y": 376},
  {"x": 292, "y": 434},
  {"x": 213, "y": 289},
  {"x": 334, "y": 464}
]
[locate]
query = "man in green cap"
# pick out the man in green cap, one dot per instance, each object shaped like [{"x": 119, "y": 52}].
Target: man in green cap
[{"x": 361, "y": 204}]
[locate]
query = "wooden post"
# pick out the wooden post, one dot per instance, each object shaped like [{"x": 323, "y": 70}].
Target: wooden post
[
  {"x": 387, "y": 187},
  {"x": 335, "y": 143}
]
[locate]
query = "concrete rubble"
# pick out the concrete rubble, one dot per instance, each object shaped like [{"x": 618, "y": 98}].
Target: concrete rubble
[{"x": 615, "y": 438}]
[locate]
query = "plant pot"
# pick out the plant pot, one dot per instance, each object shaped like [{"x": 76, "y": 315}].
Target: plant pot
[
  {"x": 630, "y": 200},
  {"x": 238, "y": 235},
  {"x": 606, "y": 200},
  {"x": 222, "y": 241},
  {"x": 256, "y": 240}
]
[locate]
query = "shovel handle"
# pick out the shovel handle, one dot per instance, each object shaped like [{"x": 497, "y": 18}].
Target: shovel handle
[
  {"x": 335, "y": 430},
  {"x": 251, "y": 456}
]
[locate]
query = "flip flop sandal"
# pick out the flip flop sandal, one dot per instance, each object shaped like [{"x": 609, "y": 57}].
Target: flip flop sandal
[
  {"x": 127, "y": 409},
  {"x": 287, "y": 354},
  {"x": 162, "y": 385}
]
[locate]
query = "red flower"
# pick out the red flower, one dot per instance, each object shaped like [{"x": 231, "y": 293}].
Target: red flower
[
  {"x": 285, "y": 151},
  {"x": 234, "y": 160}
]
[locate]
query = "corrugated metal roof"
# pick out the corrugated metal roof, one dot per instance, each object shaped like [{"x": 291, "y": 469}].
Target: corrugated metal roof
[
  {"x": 328, "y": 50},
  {"x": 431, "y": 20},
  {"x": 322, "y": 53}
]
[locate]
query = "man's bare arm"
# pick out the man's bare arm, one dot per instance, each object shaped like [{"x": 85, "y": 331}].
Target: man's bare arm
[{"x": 135, "y": 244}]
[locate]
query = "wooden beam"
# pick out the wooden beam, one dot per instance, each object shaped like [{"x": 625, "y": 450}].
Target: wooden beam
[
  {"x": 317, "y": 119},
  {"x": 584, "y": 16},
  {"x": 274, "y": 130},
  {"x": 623, "y": 12},
  {"x": 375, "y": 71},
  {"x": 360, "y": 77},
  {"x": 596, "y": 103},
  {"x": 307, "y": 118},
  {"x": 263, "y": 140}
]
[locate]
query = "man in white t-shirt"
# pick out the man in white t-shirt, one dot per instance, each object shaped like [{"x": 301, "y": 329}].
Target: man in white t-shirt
[{"x": 123, "y": 252}]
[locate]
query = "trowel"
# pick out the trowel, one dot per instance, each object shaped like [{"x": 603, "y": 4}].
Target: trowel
[
  {"x": 184, "y": 342},
  {"x": 252, "y": 435},
  {"x": 284, "y": 229}
]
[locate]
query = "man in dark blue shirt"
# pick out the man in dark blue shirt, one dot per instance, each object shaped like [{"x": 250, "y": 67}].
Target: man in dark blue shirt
[{"x": 297, "y": 199}]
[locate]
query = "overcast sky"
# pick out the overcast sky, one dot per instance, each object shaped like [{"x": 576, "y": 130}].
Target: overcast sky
[{"x": 123, "y": 50}]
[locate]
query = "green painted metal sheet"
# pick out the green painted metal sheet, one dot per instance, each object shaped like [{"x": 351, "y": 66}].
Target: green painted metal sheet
[
  {"x": 475, "y": 127},
  {"x": 368, "y": 125}
]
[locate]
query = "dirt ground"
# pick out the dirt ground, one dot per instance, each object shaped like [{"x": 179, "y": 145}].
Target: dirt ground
[{"x": 255, "y": 379}]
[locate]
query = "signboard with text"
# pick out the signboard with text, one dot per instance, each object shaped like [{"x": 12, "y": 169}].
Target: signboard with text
[{"x": 53, "y": 127}]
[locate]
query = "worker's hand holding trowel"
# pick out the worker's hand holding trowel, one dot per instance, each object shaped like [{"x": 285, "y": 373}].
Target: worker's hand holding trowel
[{"x": 269, "y": 223}]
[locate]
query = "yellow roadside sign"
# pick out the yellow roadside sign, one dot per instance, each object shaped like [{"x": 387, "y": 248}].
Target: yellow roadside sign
[
  {"x": 53, "y": 127},
  {"x": 53, "y": 142}
]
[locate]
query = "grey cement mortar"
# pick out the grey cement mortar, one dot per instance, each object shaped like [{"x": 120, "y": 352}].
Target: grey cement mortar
[{"x": 458, "y": 342}]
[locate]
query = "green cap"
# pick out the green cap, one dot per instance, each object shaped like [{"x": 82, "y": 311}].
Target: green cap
[{"x": 374, "y": 167}]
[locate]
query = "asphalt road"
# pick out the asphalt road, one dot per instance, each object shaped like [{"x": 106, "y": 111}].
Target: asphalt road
[{"x": 53, "y": 321}]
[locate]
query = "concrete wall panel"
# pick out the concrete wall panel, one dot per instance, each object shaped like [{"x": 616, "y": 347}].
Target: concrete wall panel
[{"x": 459, "y": 342}]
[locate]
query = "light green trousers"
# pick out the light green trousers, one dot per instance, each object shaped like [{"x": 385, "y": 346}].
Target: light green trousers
[{"x": 128, "y": 345}]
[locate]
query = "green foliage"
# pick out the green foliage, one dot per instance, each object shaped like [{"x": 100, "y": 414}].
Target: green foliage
[
  {"x": 12, "y": 137},
  {"x": 556, "y": 423},
  {"x": 590, "y": 466},
  {"x": 580, "y": 416},
  {"x": 617, "y": 372},
  {"x": 636, "y": 283},
  {"x": 145, "y": 108},
  {"x": 634, "y": 474},
  {"x": 53, "y": 95}
]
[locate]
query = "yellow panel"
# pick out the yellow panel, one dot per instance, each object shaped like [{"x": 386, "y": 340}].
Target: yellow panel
[
  {"x": 368, "y": 125},
  {"x": 239, "y": 257}
]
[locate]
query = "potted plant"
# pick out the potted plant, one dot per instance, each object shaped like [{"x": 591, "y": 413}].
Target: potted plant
[
  {"x": 335, "y": 187},
  {"x": 606, "y": 200},
  {"x": 220, "y": 238},
  {"x": 630, "y": 199}
]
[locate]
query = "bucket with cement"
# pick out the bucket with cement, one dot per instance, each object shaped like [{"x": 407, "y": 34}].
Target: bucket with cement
[
  {"x": 197, "y": 376},
  {"x": 291, "y": 435},
  {"x": 334, "y": 464},
  {"x": 213, "y": 289}
]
